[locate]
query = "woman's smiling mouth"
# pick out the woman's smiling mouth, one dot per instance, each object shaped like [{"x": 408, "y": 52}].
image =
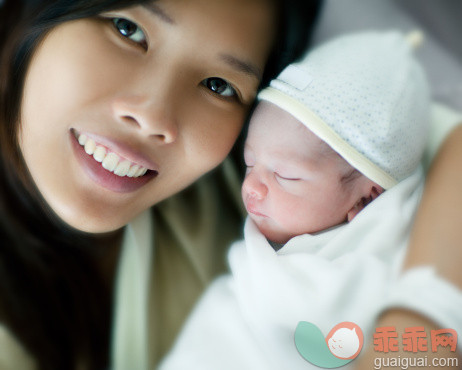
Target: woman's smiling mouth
[
  {"x": 107, "y": 168},
  {"x": 110, "y": 161}
]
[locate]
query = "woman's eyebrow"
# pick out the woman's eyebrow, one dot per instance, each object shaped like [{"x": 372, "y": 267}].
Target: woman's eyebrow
[
  {"x": 232, "y": 61},
  {"x": 241, "y": 66},
  {"x": 158, "y": 12}
]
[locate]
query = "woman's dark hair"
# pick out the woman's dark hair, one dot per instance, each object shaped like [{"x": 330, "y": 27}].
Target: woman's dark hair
[
  {"x": 297, "y": 19},
  {"x": 53, "y": 295}
]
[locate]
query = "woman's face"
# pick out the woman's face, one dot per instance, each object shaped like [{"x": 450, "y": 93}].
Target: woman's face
[{"x": 160, "y": 90}]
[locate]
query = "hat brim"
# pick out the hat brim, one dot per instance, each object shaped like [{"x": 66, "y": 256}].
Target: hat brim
[{"x": 312, "y": 121}]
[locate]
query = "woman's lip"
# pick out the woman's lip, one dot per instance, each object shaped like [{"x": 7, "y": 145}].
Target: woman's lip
[
  {"x": 122, "y": 150},
  {"x": 105, "y": 178}
]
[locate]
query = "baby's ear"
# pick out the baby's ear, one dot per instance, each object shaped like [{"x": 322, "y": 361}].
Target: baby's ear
[{"x": 368, "y": 192}]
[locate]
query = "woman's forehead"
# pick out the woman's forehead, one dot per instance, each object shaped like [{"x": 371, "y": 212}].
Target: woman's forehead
[{"x": 242, "y": 30}]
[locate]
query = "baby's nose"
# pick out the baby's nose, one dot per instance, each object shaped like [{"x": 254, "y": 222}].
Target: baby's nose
[{"x": 254, "y": 187}]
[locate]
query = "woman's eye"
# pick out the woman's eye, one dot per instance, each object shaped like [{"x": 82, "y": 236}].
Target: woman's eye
[
  {"x": 219, "y": 86},
  {"x": 130, "y": 30}
]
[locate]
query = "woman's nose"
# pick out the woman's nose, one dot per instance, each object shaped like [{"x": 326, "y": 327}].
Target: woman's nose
[
  {"x": 254, "y": 186},
  {"x": 148, "y": 117},
  {"x": 150, "y": 109}
]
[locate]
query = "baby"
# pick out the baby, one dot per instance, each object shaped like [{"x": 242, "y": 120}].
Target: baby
[
  {"x": 295, "y": 183},
  {"x": 333, "y": 180}
]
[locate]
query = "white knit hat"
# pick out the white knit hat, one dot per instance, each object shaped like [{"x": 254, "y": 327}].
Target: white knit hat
[{"x": 366, "y": 96}]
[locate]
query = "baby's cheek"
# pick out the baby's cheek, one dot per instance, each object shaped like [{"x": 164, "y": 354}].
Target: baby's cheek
[{"x": 290, "y": 211}]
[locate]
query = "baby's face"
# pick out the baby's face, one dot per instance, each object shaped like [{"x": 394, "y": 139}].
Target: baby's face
[{"x": 292, "y": 184}]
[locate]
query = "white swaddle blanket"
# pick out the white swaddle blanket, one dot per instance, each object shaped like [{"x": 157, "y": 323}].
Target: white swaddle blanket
[{"x": 247, "y": 320}]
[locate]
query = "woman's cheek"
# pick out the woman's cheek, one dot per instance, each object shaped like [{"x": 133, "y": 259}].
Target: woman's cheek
[{"x": 213, "y": 135}]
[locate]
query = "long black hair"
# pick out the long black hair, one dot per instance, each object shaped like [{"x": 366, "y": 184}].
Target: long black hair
[{"x": 53, "y": 295}]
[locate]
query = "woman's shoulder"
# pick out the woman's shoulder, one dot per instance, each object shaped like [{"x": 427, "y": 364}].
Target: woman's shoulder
[{"x": 12, "y": 353}]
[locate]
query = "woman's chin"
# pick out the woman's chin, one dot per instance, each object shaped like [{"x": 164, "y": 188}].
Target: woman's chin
[{"x": 91, "y": 221}]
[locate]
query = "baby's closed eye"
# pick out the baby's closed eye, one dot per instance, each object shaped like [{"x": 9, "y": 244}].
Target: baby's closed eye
[{"x": 287, "y": 177}]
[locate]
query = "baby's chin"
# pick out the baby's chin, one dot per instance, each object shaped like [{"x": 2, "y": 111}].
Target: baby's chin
[{"x": 272, "y": 234}]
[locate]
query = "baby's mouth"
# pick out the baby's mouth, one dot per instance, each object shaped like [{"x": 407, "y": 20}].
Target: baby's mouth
[{"x": 110, "y": 161}]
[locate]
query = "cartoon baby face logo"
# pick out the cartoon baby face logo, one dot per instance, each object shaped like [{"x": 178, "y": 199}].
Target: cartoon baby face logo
[
  {"x": 342, "y": 345},
  {"x": 345, "y": 340}
]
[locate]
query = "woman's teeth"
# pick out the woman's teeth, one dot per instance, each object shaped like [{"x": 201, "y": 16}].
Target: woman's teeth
[{"x": 111, "y": 161}]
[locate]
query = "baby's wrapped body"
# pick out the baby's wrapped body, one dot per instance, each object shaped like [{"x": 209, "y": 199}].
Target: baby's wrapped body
[{"x": 247, "y": 320}]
